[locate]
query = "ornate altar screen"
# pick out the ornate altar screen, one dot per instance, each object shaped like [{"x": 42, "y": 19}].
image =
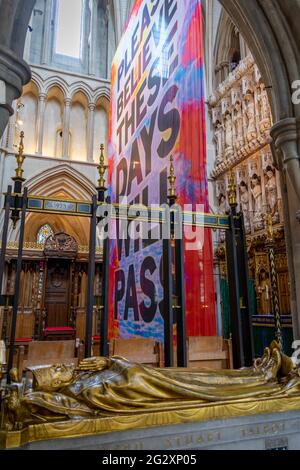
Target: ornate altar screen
[{"x": 157, "y": 110}]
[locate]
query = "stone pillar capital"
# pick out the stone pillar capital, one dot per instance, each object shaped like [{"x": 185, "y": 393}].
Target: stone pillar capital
[
  {"x": 284, "y": 134},
  {"x": 14, "y": 74},
  {"x": 42, "y": 96},
  {"x": 92, "y": 106},
  {"x": 68, "y": 102}
]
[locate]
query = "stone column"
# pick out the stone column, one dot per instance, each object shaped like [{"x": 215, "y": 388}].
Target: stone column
[
  {"x": 12, "y": 127},
  {"x": 47, "y": 34},
  {"x": 93, "y": 40},
  {"x": 66, "y": 128},
  {"x": 90, "y": 132},
  {"x": 40, "y": 123},
  {"x": 285, "y": 149}
]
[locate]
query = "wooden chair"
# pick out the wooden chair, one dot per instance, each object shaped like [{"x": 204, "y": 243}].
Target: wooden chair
[
  {"x": 139, "y": 350},
  {"x": 42, "y": 353},
  {"x": 212, "y": 352}
]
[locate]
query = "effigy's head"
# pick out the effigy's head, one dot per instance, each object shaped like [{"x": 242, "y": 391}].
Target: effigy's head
[{"x": 51, "y": 378}]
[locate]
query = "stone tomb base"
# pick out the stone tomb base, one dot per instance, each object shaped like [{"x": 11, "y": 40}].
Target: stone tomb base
[
  {"x": 262, "y": 432},
  {"x": 267, "y": 423}
]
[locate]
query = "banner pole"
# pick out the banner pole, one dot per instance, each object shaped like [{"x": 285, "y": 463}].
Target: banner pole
[
  {"x": 91, "y": 280},
  {"x": 104, "y": 345},
  {"x": 7, "y": 207},
  {"x": 178, "y": 241},
  {"x": 17, "y": 285},
  {"x": 234, "y": 282}
]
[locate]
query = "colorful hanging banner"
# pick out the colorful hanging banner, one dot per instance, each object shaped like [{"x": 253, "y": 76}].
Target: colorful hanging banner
[{"x": 157, "y": 110}]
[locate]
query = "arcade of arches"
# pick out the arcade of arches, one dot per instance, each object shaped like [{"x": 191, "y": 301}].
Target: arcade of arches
[{"x": 61, "y": 102}]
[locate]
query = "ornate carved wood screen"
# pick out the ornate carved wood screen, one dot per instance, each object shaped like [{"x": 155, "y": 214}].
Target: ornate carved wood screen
[
  {"x": 57, "y": 300},
  {"x": 62, "y": 246},
  {"x": 60, "y": 250}
]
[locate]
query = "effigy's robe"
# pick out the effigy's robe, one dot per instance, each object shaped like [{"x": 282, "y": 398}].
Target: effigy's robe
[{"x": 126, "y": 388}]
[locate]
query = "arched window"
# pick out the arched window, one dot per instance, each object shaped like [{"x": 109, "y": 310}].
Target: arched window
[
  {"x": 69, "y": 28},
  {"x": 235, "y": 60},
  {"x": 44, "y": 233}
]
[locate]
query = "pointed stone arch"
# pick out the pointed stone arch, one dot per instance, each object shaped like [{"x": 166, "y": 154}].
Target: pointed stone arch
[
  {"x": 60, "y": 181},
  {"x": 50, "y": 182}
]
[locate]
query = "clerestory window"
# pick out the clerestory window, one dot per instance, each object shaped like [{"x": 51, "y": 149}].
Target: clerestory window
[{"x": 69, "y": 28}]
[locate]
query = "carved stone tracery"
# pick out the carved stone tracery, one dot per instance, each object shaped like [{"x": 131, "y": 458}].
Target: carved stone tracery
[{"x": 241, "y": 119}]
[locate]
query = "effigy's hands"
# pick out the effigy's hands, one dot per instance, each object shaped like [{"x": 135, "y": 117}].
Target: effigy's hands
[{"x": 93, "y": 364}]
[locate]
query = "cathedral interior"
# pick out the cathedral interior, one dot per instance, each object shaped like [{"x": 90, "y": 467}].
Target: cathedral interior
[{"x": 55, "y": 123}]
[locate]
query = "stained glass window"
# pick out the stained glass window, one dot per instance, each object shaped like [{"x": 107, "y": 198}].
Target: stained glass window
[{"x": 44, "y": 233}]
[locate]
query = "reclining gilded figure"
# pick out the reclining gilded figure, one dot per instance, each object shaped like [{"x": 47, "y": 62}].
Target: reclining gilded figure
[{"x": 100, "y": 387}]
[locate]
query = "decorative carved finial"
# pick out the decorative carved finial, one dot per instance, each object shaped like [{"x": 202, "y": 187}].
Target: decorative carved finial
[
  {"x": 172, "y": 180},
  {"x": 232, "y": 190},
  {"x": 101, "y": 169},
  {"x": 20, "y": 160}
]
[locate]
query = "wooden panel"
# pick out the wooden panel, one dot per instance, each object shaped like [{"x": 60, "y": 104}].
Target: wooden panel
[
  {"x": 143, "y": 351},
  {"x": 208, "y": 352},
  {"x": 42, "y": 353},
  {"x": 57, "y": 293},
  {"x": 80, "y": 323},
  {"x": 53, "y": 361},
  {"x": 25, "y": 324},
  {"x": 284, "y": 293},
  {"x": 44, "y": 350}
]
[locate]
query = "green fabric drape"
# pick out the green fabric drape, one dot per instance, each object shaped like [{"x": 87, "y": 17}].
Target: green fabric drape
[
  {"x": 252, "y": 295},
  {"x": 225, "y": 308},
  {"x": 226, "y": 304}
]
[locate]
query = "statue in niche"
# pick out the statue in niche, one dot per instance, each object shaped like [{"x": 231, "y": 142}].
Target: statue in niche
[
  {"x": 245, "y": 201},
  {"x": 239, "y": 127},
  {"x": 258, "y": 202},
  {"x": 271, "y": 192},
  {"x": 222, "y": 204},
  {"x": 228, "y": 132},
  {"x": 250, "y": 113},
  {"x": 264, "y": 293},
  {"x": 265, "y": 107},
  {"x": 219, "y": 143}
]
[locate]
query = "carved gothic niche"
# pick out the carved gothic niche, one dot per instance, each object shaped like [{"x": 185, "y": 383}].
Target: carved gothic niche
[
  {"x": 253, "y": 166},
  {"x": 225, "y": 105},
  {"x": 272, "y": 192},
  {"x": 216, "y": 116},
  {"x": 61, "y": 245},
  {"x": 267, "y": 159},
  {"x": 247, "y": 85},
  {"x": 264, "y": 110},
  {"x": 236, "y": 97},
  {"x": 220, "y": 187},
  {"x": 241, "y": 174},
  {"x": 221, "y": 197},
  {"x": 257, "y": 74}
]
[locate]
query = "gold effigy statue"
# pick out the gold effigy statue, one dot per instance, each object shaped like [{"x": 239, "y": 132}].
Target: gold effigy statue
[{"x": 101, "y": 387}]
